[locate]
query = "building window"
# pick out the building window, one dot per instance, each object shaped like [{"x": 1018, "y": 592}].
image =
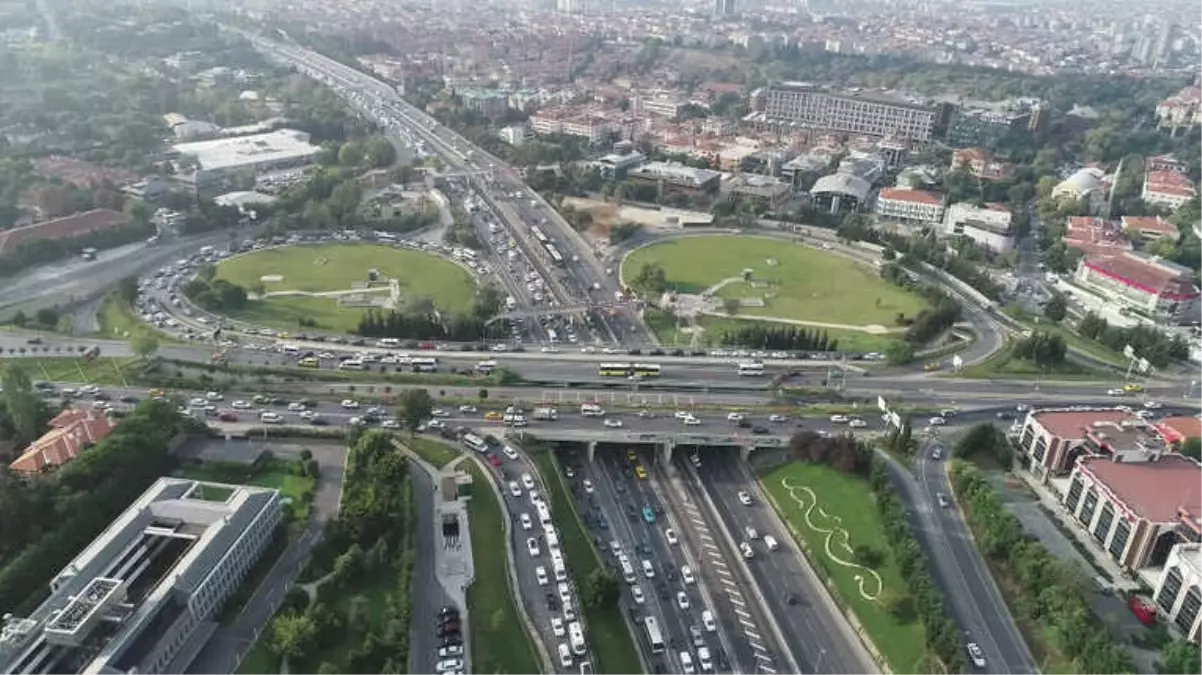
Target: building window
[
  {"x": 1041, "y": 448},
  {"x": 1189, "y": 610},
  {"x": 1074, "y": 495},
  {"x": 1167, "y": 597},
  {"x": 1104, "y": 520},
  {"x": 1091, "y": 503},
  {"x": 1119, "y": 542}
]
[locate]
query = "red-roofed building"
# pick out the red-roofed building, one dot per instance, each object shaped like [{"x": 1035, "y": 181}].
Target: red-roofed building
[
  {"x": 71, "y": 432},
  {"x": 74, "y": 225},
  {"x": 1053, "y": 439},
  {"x": 1090, "y": 234},
  {"x": 910, "y": 205},
  {"x": 980, "y": 162},
  {"x": 1156, "y": 287},
  {"x": 1167, "y": 188},
  {"x": 1175, "y": 430},
  {"x": 1181, "y": 110},
  {"x": 1150, "y": 227}
]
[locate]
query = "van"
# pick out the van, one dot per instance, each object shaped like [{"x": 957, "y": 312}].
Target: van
[
  {"x": 628, "y": 571},
  {"x": 561, "y": 572},
  {"x": 576, "y": 638},
  {"x": 351, "y": 364},
  {"x": 648, "y": 569},
  {"x": 770, "y": 542}
]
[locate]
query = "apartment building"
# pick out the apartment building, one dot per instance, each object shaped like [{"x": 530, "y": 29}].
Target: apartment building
[
  {"x": 1149, "y": 228},
  {"x": 988, "y": 226},
  {"x": 1178, "y": 592},
  {"x": 1155, "y": 287},
  {"x": 1180, "y": 111},
  {"x": 804, "y": 105},
  {"x": 145, "y": 594},
  {"x": 979, "y": 162},
  {"x": 589, "y": 124},
  {"x": 917, "y": 206},
  {"x": 1170, "y": 189}
]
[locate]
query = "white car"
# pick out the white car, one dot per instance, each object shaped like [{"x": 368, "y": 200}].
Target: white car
[
  {"x": 526, "y": 522},
  {"x": 557, "y": 626},
  {"x": 686, "y": 575},
  {"x": 1153, "y": 405},
  {"x": 937, "y": 421},
  {"x": 612, "y": 423},
  {"x": 707, "y": 620},
  {"x": 751, "y": 533},
  {"x": 449, "y": 666},
  {"x": 565, "y": 655},
  {"x": 467, "y": 408},
  {"x": 735, "y": 417},
  {"x": 350, "y": 404},
  {"x": 976, "y": 655},
  {"x": 515, "y": 489},
  {"x": 670, "y": 535},
  {"x": 744, "y": 498},
  {"x": 1115, "y": 392},
  {"x": 450, "y": 651},
  {"x": 686, "y": 664},
  {"x": 703, "y": 658},
  {"x": 637, "y": 594},
  {"x": 588, "y": 486},
  {"x": 682, "y": 600},
  {"x": 527, "y": 481},
  {"x": 683, "y": 415},
  {"x": 198, "y": 402},
  {"x": 241, "y": 405},
  {"x": 509, "y": 452},
  {"x": 692, "y": 421},
  {"x": 839, "y": 419},
  {"x": 748, "y": 552},
  {"x": 777, "y": 419},
  {"x": 296, "y": 407},
  {"x": 770, "y": 542},
  {"x": 439, "y": 412},
  {"x": 540, "y": 575},
  {"x": 214, "y": 396},
  {"x": 268, "y": 417},
  {"x": 390, "y": 424},
  {"x": 565, "y": 593},
  {"x": 857, "y": 423},
  {"x": 532, "y": 547},
  {"x": 89, "y": 389}
]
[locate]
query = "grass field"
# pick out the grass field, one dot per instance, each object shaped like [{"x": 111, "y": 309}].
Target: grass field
[
  {"x": 435, "y": 453},
  {"x": 100, "y": 371},
  {"x": 849, "y": 499},
  {"x": 499, "y": 641},
  {"x": 118, "y": 321},
  {"x": 664, "y": 328},
  {"x": 803, "y": 283},
  {"x": 1003, "y": 364},
  {"x": 335, "y": 267},
  {"x": 607, "y": 633},
  {"x": 281, "y": 474},
  {"x": 260, "y": 660}
]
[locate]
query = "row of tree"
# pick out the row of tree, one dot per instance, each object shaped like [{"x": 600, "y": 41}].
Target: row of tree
[
  {"x": 943, "y": 313},
  {"x": 1052, "y": 592},
  {"x": 373, "y": 535},
  {"x": 790, "y": 338},
  {"x": 215, "y": 295},
  {"x": 986, "y": 439},
  {"x": 922, "y": 599},
  {"x": 46, "y": 520},
  {"x": 36, "y": 252},
  {"x": 1158, "y": 348}
]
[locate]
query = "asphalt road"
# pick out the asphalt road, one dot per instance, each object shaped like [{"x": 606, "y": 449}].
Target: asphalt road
[
  {"x": 428, "y": 594},
  {"x": 814, "y": 628}
]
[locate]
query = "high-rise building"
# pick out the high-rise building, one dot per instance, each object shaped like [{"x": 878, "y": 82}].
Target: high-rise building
[
  {"x": 569, "y": 6},
  {"x": 724, "y": 8},
  {"x": 804, "y": 105}
]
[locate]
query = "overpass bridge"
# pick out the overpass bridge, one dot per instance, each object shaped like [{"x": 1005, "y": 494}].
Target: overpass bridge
[{"x": 665, "y": 442}]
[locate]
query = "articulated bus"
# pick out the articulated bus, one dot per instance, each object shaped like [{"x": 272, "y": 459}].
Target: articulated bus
[
  {"x": 751, "y": 369},
  {"x": 629, "y": 370},
  {"x": 654, "y": 637}
]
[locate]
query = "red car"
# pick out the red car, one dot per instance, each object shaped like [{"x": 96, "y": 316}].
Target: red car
[
  {"x": 494, "y": 460},
  {"x": 227, "y": 416}
]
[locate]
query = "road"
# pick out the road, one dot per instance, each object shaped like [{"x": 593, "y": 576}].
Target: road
[
  {"x": 813, "y": 627},
  {"x": 428, "y": 595},
  {"x": 969, "y": 591}
]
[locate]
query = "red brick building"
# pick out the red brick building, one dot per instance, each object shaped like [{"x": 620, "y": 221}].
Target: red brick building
[{"x": 71, "y": 432}]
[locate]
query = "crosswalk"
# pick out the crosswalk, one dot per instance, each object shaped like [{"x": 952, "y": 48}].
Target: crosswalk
[{"x": 738, "y": 604}]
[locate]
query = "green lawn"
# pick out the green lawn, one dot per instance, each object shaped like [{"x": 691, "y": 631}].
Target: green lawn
[
  {"x": 1003, "y": 364},
  {"x": 499, "y": 641},
  {"x": 100, "y": 371},
  {"x": 280, "y": 474},
  {"x": 435, "y": 453},
  {"x": 664, "y": 328},
  {"x": 607, "y": 633},
  {"x": 803, "y": 283},
  {"x": 336, "y": 267},
  {"x": 118, "y": 321},
  {"x": 259, "y": 661},
  {"x": 849, "y": 500}
]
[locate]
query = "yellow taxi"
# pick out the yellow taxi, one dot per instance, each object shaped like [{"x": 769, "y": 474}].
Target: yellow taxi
[
  {"x": 630, "y": 455},
  {"x": 640, "y": 471},
  {"x": 1133, "y": 388},
  {"x": 494, "y": 416},
  {"x": 155, "y": 393}
]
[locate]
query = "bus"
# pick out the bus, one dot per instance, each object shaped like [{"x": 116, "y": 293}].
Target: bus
[
  {"x": 538, "y": 234},
  {"x": 648, "y": 514},
  {"x": 645, "y": 369},
  {"x": 556, "y": 258},
  {"x": 613, "y": 369},
  {"x": 629, "y": 370},
  {"x": 309, "y": 362},
  {"x": 751, "y": 369},
  {"x": 486, "y": 367},
  {"x": 654, "y": 637},
  {"x": 474, "y": 442},
  {"x": 424, "y": 364}
]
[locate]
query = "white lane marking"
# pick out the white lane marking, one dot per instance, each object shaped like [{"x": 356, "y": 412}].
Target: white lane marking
[
  {"x": 735, "y": 600},
  {"x": 766, "y": 669},
  {"x": 700, "y": 523},
  {"x": 719, "y": 563},
  {"x": 723, "y": 573},
  {"x": 728, "y": 582},
  {"x": 750, "y": 633},
  {"x": 756, "y": 646},
  {"x": 741, "y": 613},
  {"x": 706, "y": 537}
]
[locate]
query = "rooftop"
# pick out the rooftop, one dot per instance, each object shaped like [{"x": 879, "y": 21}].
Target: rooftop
[
  {"x": 1143, "y": 272},
  {"x": 1177, "y": 428},
  {"x": 912, "y": 196},
  {"x": 1154, "y": 224},
  {"x": 71, "y": 432},
  {"x": 1153, "y": 490},
  {"x": 1072, "y": 424},
  {"x": 842, "y": 183},
  {"x": 227, "y": 153},
  {"x": 74, "y": 225},
  {"x": 675, "y": 172}
]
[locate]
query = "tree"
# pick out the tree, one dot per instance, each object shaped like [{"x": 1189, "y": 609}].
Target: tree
[
  {"x": 144, "y": 345},
  {"x": 899, "y": 353},
  {"x": 600, "y": 589},
  {"x": 47, "y": 316},
  {"x": 356, "y": 614},
  {"x": 1056, "y": 308},
  {"x": 482, "y": 394},
  {"x": 1192, "y": 447},
  {"x": 414, "y": 406},
  {"x": 1179, "y": 656},
  {"x": 731, "y": 306},
  {"x": 21, "y": 402},
  {"x": 291, "y": 636}
]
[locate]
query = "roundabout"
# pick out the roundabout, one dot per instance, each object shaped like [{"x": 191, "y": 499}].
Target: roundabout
[{"x": 330, "y": 286}]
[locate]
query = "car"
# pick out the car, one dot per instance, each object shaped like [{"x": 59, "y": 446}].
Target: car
[
  {"x": 937, "y": 454},
  {"x": 1153, "y": 405},
  {"x": 197, "y": 402},
  {"x": 439, "y": 412},
  {"x": 1115, "y": 392},
  {"x": 565, "y": 655},
  {"x": 735, "y": 417},
  {"x": 839, "y": 419},
  {"x": 648, "y": 569},
  {"x": 612, "y": 423},
  {"x": 647, "y": 414},
  {"x": 494, "y": 416},
  {"x": 128, "y": 399},
  {"x": 748, "y": 552},
  {"x": 565, "y": 592},
  {"x": 751, "y": 533},
  {"x": 532, "y": 547},
  {"x": 640, "y": 472},
  {"x": 1022, "y": 407},
  {"x": 241, "y": 405},
  {"x": 467, "y": 409},
  {"x": 976, "y": 655},
  {"x": 770, "y": 542},
  {"x": 509, "y": 452},
  {"x": 1004, "y": 415},
  {"x": 448, "y": 629},
  {"x": 390, "y": 424},
  {"x": 269, "y": 417},
  {"x": 296, "y": 407},
  {"x": 692, "y": 421},
  {"x": 670, "y": 535},
  {"x": 527, "y": 523},
  {"x": 744, "y": 498},
  {"x": 535, "y": 497},
  {"x": 697, "y": 636},
  {"x": 350, "y": 404},
  {"x": 588, "y": 486},
  {"x": 682, "y": 600},
  {"x": 450, "y": 651},
  {"x": 515, "y": 489},
  {"x": 636, "y": 594},
  {"x": 778, "y": 419},
  {"x": 705, "y": 660},
  {"x": 227, "y": 416},
  {"x": 707, "y": 620},
  {"x": 557, "y": 628},
  {"x": 686, "y": 664},
  {"x": 682, "y": 414},
  {"x": 686, "y": 575},
  {"x": 528, "y": 481},
  {"x": 857, "y": 423},
  {"x": 1133, "y": 388},
  {"x": 760, "y": 431},
  {"x": 615, "y": 547},
  {"x": 943, "y": 501},
  {"x": 449, "y": 665},
  {"x": 540, "y": 575},
  {"x": 937, "y": 421}
]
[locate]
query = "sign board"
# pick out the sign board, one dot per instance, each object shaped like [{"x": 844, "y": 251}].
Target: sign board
[
  {"x": 895, "y": 419},
  {"x": 881, "y": 404},
  {"x": 957, "y": 362},
  {"x": 1129, "y": 351}
]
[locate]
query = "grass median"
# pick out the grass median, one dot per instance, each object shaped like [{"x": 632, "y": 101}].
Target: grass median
[
  {"x": 499, "y": 642},
  {"x": 433, "y": 452},
  {"x": 838, "y": 508},
  {"x": 612, "y": 643}
]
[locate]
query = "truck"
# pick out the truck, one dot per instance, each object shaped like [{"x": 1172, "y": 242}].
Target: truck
[{"x": 545, "y": 414}]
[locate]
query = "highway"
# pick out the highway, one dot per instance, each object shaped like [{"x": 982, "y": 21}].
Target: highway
[{"x": 811, "y": 624}]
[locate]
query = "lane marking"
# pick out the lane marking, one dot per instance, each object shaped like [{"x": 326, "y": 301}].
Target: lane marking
[
  {"x": 728, "y": 582},
  {"x": 756, "y": 646},
  {"x": 718, "y": 562},
  {"x": 735, "y": 601},
  {"x": 742, "y": 613},
  {"x": 766, "y": 669},
  {"x": 706, "y": 536},
  {"x": 723, "y": 573}
]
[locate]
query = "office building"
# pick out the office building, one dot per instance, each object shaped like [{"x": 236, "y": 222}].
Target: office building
[
  {"x": 144, "y": 595},
  {"x": 988, "y": 226},
  {"x": 220, "y": 158},
  {"x": 1157, "y": 288},
  {"x": 918, "y": 206},
  {"x": 806, "y": 106},
  {"x": 673, "y": 176},
  {"x": 724, "y": 8}
]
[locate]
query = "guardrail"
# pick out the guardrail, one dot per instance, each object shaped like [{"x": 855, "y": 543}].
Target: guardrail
[{"x": 676, "y": 438}]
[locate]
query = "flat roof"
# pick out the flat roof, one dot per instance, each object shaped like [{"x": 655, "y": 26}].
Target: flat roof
[
  {"x": 229, "y": 153},
  {"x": 1152, "y": 490},
  {"x": 1072, "y": 424}
]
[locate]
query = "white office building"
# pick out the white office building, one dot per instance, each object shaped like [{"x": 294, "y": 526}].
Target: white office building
[
  {"x": 222, "y": 157},
  {"x": 988, "y": 226}
]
